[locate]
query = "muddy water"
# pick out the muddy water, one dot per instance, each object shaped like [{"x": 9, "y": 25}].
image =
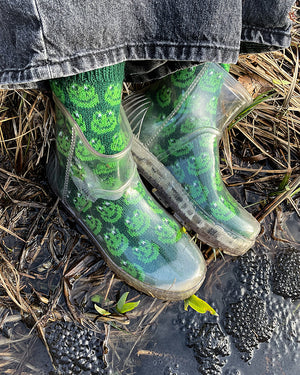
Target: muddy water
[
  {"x": 258, "y": 328},
  {"x": 257, "y": 331}
]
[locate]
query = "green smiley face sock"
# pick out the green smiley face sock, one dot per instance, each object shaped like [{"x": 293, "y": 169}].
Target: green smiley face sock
[{"x": 93, "y": 99}]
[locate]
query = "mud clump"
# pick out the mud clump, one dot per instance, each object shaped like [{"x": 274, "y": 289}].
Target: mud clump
[
  {"x": 249, "y": 323},
  {"x": 247, "y": 319},
  {"x": 251, "y": 312},
  {"x": 209, "y": 344},
  {"x": 75, "y": 350},
  {"x": 286, "y": 274},
  {"x": 254, "y": 272}
]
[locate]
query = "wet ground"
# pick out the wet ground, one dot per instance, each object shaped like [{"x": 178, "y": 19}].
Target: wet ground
[
  {"x": 50, "y": 271},
  {"x": 257, "y": 331},
  {"x": 256, "y": 297}
]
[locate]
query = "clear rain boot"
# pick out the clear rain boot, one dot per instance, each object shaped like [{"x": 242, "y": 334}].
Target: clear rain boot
[
  {"x": 140, "y": 242},
  {"x": 176, "y": 147}
]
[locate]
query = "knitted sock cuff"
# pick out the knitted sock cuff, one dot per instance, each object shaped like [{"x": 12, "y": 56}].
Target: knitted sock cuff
[{"x": 112, "y": 73}]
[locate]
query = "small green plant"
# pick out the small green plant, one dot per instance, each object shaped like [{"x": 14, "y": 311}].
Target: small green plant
[
  {"x": 96, "y": 298},
  {"x": 122, "y": 306},
  {"x": 198, "y": 305}
]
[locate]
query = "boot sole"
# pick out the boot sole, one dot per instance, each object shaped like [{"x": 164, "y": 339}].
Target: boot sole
[{"x": 171, "y": 194}]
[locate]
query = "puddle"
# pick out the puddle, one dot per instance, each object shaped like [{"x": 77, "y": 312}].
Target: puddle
[
  {"x": 22, "y": 353},
  {"x": 257, "y": 331}
]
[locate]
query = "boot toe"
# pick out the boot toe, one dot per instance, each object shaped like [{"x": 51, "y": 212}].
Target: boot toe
[{"x": 183, "y": 275}]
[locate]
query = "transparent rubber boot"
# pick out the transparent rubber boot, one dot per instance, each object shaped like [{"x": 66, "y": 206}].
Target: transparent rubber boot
[
  {"x": 176, "y": 147},
  {"x": 140, "y": 242}
]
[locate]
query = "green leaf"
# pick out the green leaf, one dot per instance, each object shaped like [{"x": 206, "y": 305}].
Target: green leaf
[
  {"x": 295, "y": 192},
  {"x": 122, "y": 301},
  {"x": 129, "y": 306},
  {"x": 198, "y": 305},
  {"x": 123, "y": 307},
  {"x": 101, "y": 311},
  {"x": 284, "y": 182},
  {"x": 96, "y": 298},
  {"x": 186, "y": 304}
]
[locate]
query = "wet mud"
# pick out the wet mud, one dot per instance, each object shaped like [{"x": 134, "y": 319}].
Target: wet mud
[
  {"x": 258, "y": 328},
  {"x": 256, "y": 296},
  {"x": 257, "y": 331}
]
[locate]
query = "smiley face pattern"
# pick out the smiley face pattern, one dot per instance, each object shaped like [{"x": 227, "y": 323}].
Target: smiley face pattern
[
  {"x": 193, "y": 161},
  {"x": 94, "y": 100},
  {"x": 133, "y": 229}
]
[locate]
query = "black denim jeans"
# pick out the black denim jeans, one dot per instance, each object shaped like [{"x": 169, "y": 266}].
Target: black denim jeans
[{"x": 45, "y": 39}]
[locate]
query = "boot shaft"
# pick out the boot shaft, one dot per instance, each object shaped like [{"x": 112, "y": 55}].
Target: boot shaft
[
  {"x": 95, "y": 175},
  {"x": 208, "y": 104}
]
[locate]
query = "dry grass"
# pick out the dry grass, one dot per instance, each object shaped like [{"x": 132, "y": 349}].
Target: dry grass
[{"x": 261, "y": 153}]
